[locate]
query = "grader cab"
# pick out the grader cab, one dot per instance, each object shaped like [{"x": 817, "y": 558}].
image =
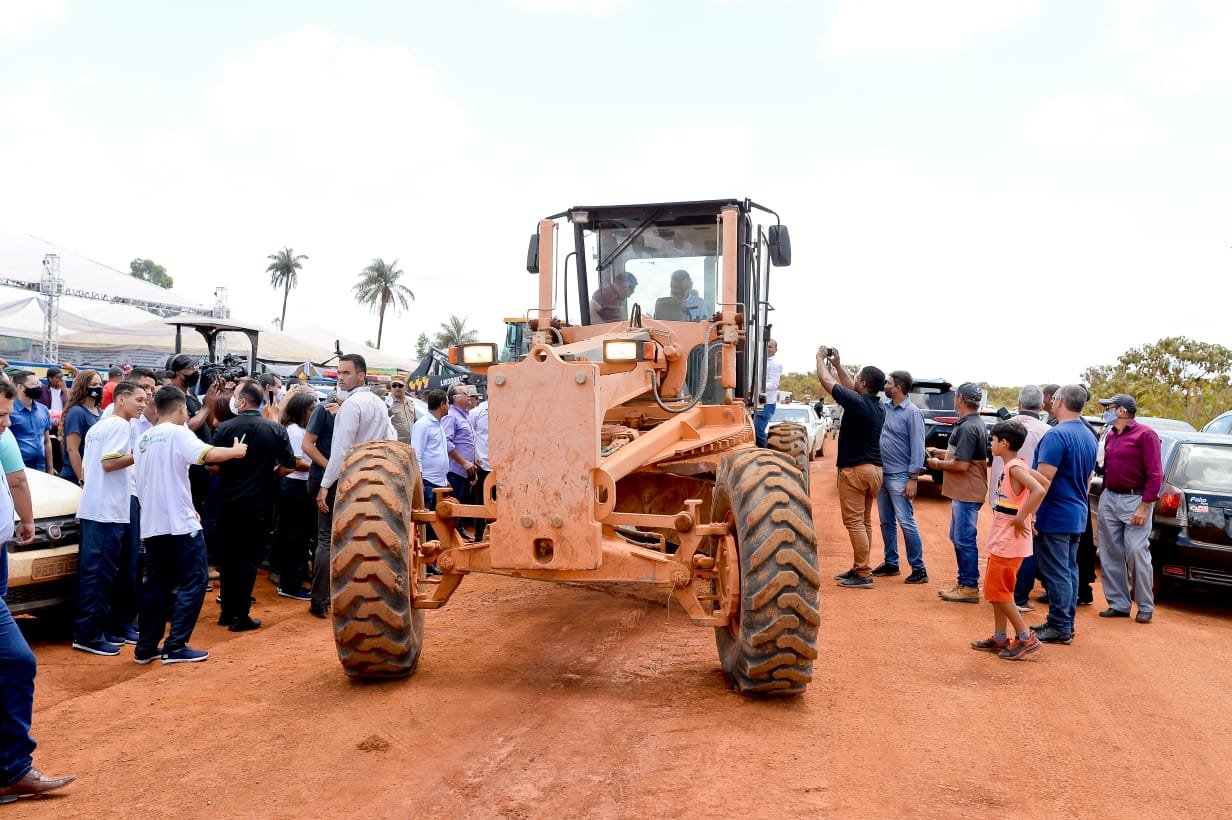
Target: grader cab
[{"x": 622, "y": 450}]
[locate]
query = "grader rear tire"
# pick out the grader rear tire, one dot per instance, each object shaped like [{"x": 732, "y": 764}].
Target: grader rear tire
[
  {"x": 374, "y": 567},
  {"x": 791, "y": 440},
  {"x": 769, "y": 647}
]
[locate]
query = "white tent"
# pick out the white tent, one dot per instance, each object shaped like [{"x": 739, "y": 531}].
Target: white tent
[{"x": 21, "y": 261}]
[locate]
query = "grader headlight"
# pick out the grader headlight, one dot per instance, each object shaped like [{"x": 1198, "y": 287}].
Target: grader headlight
[
  {"x": 478, "y": 354},
  {"x": 622, "y": 350}
]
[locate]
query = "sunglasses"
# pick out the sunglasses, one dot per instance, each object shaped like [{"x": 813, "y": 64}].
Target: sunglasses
[{"x": 396, "y": 385}]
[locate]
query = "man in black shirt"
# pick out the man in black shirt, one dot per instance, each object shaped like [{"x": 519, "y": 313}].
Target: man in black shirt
[
  {"x": 859, "y": 455},
  {"x": 246, "y": 492}
]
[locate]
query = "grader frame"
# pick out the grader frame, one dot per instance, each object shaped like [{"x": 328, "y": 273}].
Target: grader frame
[{"x": 608, "y": 466}]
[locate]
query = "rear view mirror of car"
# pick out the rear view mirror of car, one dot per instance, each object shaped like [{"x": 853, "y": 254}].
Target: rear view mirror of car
[
  {"x": 1004, "y": 414},
  {"x": 780, "y": 246}
]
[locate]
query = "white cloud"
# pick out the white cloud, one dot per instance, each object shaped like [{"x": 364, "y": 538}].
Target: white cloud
[
  {"x": 916, "y": 28},
  {"x": 18, "y": 17},
  {"x": 1081, "y": 122},
  {"x": 1204, "y": 60}
]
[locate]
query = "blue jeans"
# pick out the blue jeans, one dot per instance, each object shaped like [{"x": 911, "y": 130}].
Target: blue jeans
[
  {"x": 761, "y": 421},
  {"x": 963, "y": 534},
  {"x": 896, "y": 510},
  {"x": 174, "y": 589},
  {"x": 97, "y": 570},
  {"x": 17, "y": 668},
  {"x": 1056, "y": 555},
  {"x": 1025, "y": 582}
]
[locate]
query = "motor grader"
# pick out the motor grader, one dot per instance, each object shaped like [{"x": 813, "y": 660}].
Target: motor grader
[{"x": 622, "y": 450}]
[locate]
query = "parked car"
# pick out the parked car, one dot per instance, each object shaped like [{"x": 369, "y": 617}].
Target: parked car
[
  {"x": 804, "y": 414},
  {"x": 43, "y": 573},
  {"x": 1220, "y": 424},
  {"x": 1191, "y": 537}
]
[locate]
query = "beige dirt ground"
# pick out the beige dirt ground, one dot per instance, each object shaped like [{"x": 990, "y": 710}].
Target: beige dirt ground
[{"x": 534, "y": 700}]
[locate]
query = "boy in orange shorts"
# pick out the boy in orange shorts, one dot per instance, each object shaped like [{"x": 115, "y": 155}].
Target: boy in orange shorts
[{"x": 1018, "y": 496}]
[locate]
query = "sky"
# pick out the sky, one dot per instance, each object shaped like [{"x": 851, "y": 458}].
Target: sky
[{"x": 1005, "y": 192}]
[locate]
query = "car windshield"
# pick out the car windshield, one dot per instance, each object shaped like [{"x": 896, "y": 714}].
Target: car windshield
[
  {"x": 670, "y": 271},
  {"x": 1203, "y": 468},
  {"x": 799, "y": 415}
]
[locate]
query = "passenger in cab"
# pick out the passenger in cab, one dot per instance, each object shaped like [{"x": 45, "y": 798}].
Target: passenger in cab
[{"x": 610, "y": 302}]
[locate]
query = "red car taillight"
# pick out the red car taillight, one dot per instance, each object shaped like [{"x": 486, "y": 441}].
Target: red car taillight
[
  {"x": 1171, "y": 505},
  {"x": 946, "y": 419}
]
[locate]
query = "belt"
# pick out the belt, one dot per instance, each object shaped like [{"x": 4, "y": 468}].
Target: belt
[{"x": 1126, "y": 491}]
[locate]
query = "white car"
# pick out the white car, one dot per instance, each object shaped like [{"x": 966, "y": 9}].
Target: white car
[
  {"x": 803, "y": 414},
  {"x": 43, "y": 573}
]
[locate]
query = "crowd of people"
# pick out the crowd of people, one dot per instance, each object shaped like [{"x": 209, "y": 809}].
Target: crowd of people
[
  {"x": 183, "y": 486},
  {"x": 1034, "y": 469}
]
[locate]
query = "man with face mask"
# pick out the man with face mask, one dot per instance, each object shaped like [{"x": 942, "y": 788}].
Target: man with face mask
[
  {"x": 31, "y": 422},
  {"x": 246, "y": 500}
]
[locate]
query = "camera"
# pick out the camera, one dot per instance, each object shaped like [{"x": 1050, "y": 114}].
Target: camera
[
  {"x": 228, "y": 370},
  {"x": 829, "y": 352}
]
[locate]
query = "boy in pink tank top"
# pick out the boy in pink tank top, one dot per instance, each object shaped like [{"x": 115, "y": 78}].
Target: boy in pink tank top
[{"x": 1018, "y": 496}]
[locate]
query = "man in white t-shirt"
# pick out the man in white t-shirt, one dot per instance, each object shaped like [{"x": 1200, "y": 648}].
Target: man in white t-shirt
[
  {"x": 108, "y": 521},
  {"x": 176, "y": 568}
]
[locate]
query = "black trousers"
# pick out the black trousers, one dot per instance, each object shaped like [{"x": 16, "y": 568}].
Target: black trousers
[
  {"x": 295, "y": 534},
  {"x": 241, "y": 537}
]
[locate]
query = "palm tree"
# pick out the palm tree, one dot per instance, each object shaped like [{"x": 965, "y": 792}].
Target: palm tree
[
  {"x": 379, "y": 287},
  {"x": 454, "y": 332},
  {"x": 283, "y": 270}
]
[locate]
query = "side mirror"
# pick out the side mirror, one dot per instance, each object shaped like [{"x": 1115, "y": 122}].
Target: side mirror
[
  {"x": 1004, "y": 413},
  {"x": 780, "y": 246},
  {"x": 532, "y": 254}
]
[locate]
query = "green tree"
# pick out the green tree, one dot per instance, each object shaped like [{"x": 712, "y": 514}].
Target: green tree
[
  {"x": 380, "y": 289},
  {"x": 802, "y": 386},
  {"x": 284, "y": 270},
  {"x": 454, "y": 332},
  {"x": 149, "y": 271},
  {"x": 421, "y": 345},
  {"x": 1002, "y": 396},
  {"x": 1175, "y": 378}
]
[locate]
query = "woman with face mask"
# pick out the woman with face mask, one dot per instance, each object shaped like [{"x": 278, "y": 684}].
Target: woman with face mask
[{"x": 81, "y": 413}]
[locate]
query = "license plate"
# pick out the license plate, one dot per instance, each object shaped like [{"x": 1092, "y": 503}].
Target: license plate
[{"x": 57, "y": 566}]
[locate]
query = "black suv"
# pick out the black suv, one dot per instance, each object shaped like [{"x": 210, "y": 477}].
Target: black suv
[{"x": 935, "y": 397}]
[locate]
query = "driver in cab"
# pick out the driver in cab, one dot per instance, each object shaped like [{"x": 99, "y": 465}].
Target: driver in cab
[{"x": 608, "y": 304}]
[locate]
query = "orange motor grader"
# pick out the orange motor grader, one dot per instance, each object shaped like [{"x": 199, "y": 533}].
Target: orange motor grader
[{"x": 622, "y": 450}]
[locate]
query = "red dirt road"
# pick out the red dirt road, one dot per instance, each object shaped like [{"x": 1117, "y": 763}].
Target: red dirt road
[{"x": 534, "y": 700}]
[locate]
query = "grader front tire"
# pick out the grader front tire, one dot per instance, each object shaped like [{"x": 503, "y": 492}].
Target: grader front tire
[
  {"x": 769, "y": 647},
  {"x": 791, "y": 440},
  {"x": 373, "y": 571}
]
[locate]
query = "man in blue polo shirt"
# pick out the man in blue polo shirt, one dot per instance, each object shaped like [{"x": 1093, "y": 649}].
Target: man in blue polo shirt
[
  {"x": 31, "y": 421},
  {"x": 1065, "y": 458}
]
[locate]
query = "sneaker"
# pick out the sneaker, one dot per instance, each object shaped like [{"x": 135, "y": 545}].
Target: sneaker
[
  {"x": 300, "y": 594},
  {"x": 990, "y": 645},
  {"x": 185, "y": 654},
  {"x": 1052, "y": 635},
  {"x": 246, "y": 624},
  {"x": 97, "y": 647},
  {"x": 887, "y": 570},
  {"x": 128, "y": 635},
  {"x": 1144, "y": 617},
  {"x": 960, "y": 595},
  {"x": 142, "y": 660},
  {"x": 318, "y": 611},
  {"x": 1017, "y": 650},
  {"x": 851, "y": 573},
  {"x": 856, "y": 582},
  {"x": 1026, "y": 607},
  {"x": 1113, "y": 613},
  {"x": 917, "y": 576}
]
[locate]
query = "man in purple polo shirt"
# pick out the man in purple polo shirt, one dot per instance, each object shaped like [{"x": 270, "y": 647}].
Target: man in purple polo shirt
[
  {"x": 1133, "y": 474},
  {"x": 460, "y": 441}
]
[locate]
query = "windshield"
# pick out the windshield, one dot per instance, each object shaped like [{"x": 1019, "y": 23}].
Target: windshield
[
  {"x": 799, "y": 415},
  {"x": 671, "y": 272},
  {"x": 1203, "y": 468}
]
